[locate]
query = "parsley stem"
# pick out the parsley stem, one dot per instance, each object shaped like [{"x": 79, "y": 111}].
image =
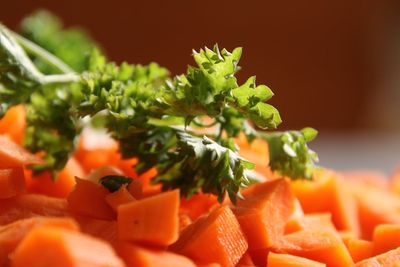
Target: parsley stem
[{"x": 36, "y": 50}]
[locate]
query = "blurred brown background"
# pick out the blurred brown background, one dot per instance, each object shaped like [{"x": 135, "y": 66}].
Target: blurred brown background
[{"x": 333, "y": 65}]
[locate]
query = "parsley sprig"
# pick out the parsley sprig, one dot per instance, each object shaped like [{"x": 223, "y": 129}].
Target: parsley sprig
[{"x": 153, "y": 116}]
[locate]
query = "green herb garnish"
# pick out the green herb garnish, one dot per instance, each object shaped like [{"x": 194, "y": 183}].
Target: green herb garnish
[{"x": 153, "y": 116}]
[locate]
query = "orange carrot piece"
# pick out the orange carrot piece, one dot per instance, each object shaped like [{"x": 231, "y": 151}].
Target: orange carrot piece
[
  {"x": 50, "y": 246},
  {"x": 295, "y": 220},
  {"x": 246, "y": 261},
  {"x": 88, "y": 199},
  {"x": 13, "y": 123},
  {"x": 286, "y": 260},
  {"x": 103, "y": 229},
  {"x": 318, "y": 245},
  {"x": 144, "y": 257},
  {"x": 12, "y": 182},
  {"x": 394, "y": 182},
  {"x": 376, "y": 206},
  {"x": 346, "y": 236},
  {"x": 153, "y": 220},
  {"x": 329, "y": 193},
  {"x": 136, "y": 188},
  {"x": 184, "y": 221},
  {"x": 61, "y": 186},
  {"x": 198, "y": 205},
  {"x": 388, "y": 259},
  {"x": 13, "y": 155},
  {"x": 360, "y": 249},
  {"x": 216, "y": 238},
  {"x": 119, "y": 197},
  {"x": 31, "y": 205},
  {"x": 386, "y": 237},
  {"x": 259, "y": 256},
  {"x": 12, "y": 234},
  {"x": 265, "y": 211}
]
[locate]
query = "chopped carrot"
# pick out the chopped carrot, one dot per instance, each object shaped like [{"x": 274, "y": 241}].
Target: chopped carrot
[
  {"x": 88, "y": 199},
  {"x": 395, "y": 182},
  {"x": 61, "y": 186},
  {"x": 246, "y": 261},
  {"x": 13, "y": 123},
  {"x": 216, "y": 238},
  {"x": 149, "y": 189},
  {"x": 103, "y": 229},
  {"x": 12, "y": 234},
  {"x": 13, "y": 155},
  {"x": 295, "y": 220},
  {"x": 388, "y": 259},
  {"x": 318, "y": 245},
  {"x": 328, "y": 193},
  {"x": 144, "y": 257},
  {"x": 259, "y": 256},
  {"x": 360, "y": 249},
  {"x": 346, "y": 236},
  {"x": 386, "y": 237},
  {"x": 153, "y": 220},
  {"x": 286, "y": 260},
  {"x": 184, "y": 221},
  {"x": 376, "y": 206},
  {"x": 119, "y": 197},
  {"x": 136, "y": 188},
  {"x": 50, "y": 246},
  {"x": 12, "y": 182},
  {"x": 31, "y": 205},
  {"x": 265, "y": 211},
  {"x": 198, "y": 205}
]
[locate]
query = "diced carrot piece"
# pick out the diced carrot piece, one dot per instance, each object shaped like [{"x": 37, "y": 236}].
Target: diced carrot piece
[
  {"x": 216, "y": 238},
  {"x": 136, "y": 188},
  {"x": 50, "y": 246},
  {"x": 31, "y": 205},
  {"x": 198, "y": 205},
  {"x": 13, "y": 155},
  {"x": 246, "y": 261},
  {"x": 394, "y": 183},
  {"x": 386, "y": 237},
  {"x": 257, "y": 152},
  {"x": 328, "y": 193},
  {"x": 388, "y": 259},
  {"x": 103, "y": 229},
  {"x": 12, "y": 182},
  {"x": 88, "y": 199},
  {"x": 346, "y": 236},
  {"x": 264, "y": 212},
  {"x": 295, "y": 221},
  {"x": 149, "y": 189},
  {"x": 376, "y": 206},
  {"x": 12, "y": 234},
  {"x": 153, "y": 220},
  {"x": 119, "y": 197},
  {"x": 316, "y": 221},
  {"x": 318, "y": 245},
  {"x": 184, "y": 221},
  {"x": 144, "y": 257},
  {"x": 286, "y": 260},
  {"x": 367, "y": 178},
  {"x": 127, "y": 166},
  {"x": 61, "y": 186},
  {"x": 259, "y": 256},
  {"x": 13, "y": 123},
  {"x": 360, "y": 249}
]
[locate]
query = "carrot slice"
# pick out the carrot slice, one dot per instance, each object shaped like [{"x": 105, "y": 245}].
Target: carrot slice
[
  {"x": 153, "y": 220},
  {"x": 61, "y": 186},
  {"x": 388, "y": 259},
  {"x": 12, "y": 182},
  {"x": 318, "y": 245},
  {"x": 386, "y": 237},
  {"x": 136, "y": 188},
  {"x": 50, "y": 246},
  {"x": 360, "y": 249},
  {"x": 31, "y": 205},
  {"x": 376, "y": 206},
  {"x": 119, "y": 197},
  {"x": 265, "y": 211},
  {"x": 13, "y": 123},
  {"x": 296, "y": 218},
  {"x": 143, "y": 257},
  {"x": 13, "y": 155},
  {"x": 103, "y": 229},
  {"x": 246, "y": 261},
  {"x": 184, "y": 221},
  {"x": 88, "y": 199},
  {"x": 198, "y": 205},
  {"x": 216, "y": 238},
  {"x": 329, "y": 193},
  {"x": 12, "y": 234},
  {"x": 286, "y": 260}
]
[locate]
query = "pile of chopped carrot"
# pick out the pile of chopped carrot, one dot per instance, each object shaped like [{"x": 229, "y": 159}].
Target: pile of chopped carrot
[{"x": 338, "y": 220}]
